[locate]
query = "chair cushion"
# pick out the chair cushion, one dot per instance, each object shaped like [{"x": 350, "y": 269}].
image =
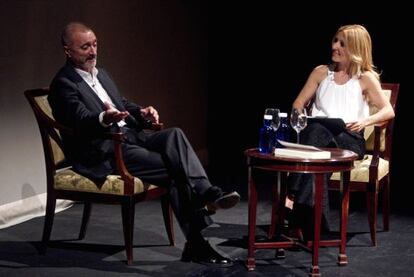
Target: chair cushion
[
  {"x": 360, "y": 173},
  {"x": 67, "y": 179}
]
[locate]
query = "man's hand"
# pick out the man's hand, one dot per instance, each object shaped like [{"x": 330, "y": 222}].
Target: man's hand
[
  {"x": 150, "y": 113},
  {"x": 112, "y": 115}
]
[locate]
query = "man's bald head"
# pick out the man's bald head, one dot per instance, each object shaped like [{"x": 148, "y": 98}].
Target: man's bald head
[{"x": 72, "y": 27}]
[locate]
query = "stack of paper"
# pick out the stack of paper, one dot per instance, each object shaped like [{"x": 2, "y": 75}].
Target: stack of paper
[{"x": 296, "y": 150}]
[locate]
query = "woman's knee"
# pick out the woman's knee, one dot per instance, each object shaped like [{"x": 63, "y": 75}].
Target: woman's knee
[
  {"x": 351, "y": 142},
  {"x": 316, "y": 134}
]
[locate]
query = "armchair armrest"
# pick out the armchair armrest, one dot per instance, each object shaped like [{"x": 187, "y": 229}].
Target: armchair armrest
[
  {"x": 118, "y": 139},
  {"x": 377, "y": 137},
  {"x": 376, "y": 153},
  {"x": 128, "y": 179}
]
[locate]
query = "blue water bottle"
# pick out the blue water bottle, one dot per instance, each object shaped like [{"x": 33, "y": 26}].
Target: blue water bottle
[
  {"x": 284, "y": 130},
  {"x": 266, "y": 135}
]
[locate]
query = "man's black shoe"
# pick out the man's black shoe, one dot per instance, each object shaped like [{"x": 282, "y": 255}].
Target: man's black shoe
[
  {"x": 203, "y": 253},
  {"x": 216, "y": 199}
]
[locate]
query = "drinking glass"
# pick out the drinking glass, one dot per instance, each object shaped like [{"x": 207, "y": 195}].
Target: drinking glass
[
  {"x": 298, "y": 121},
  {"x": 273, "y": 117}
]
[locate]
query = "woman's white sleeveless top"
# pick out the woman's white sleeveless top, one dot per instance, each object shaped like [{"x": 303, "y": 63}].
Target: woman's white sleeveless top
[{"x": 340, "y": 101}]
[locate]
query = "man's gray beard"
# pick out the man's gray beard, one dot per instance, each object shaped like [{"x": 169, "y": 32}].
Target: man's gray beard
[{"x": 92, "y": 65}]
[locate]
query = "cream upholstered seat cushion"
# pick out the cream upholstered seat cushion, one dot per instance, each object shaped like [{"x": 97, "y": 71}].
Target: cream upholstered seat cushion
[
  {"x": 67, "y": 179},
  {"x": 361, "y": 171}
]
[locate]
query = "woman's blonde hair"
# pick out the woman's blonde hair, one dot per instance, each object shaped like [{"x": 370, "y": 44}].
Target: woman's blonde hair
[{"x": 359, "y": 46}]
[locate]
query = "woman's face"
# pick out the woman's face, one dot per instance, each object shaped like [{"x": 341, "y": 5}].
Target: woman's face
[{"x": 339, "y": 51}]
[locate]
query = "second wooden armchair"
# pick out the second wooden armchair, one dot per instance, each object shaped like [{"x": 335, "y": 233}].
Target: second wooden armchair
[{"x": 372, "y": 173}]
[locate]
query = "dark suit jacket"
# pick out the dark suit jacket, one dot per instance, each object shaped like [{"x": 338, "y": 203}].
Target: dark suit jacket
[{"x": 76, "y": 105}]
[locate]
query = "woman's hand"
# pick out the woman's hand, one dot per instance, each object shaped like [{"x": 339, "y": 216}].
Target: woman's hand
[{"x": 355, "y": 126}]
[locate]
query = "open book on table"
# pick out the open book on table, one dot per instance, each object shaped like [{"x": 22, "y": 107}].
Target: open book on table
[{"x": 296, "y": 150}]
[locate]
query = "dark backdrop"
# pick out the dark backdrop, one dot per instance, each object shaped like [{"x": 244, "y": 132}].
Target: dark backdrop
[
  {"x": 261, "y": 58},
  {"x": 158, "y": 53}
]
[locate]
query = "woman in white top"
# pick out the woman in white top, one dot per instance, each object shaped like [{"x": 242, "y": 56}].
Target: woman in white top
[{"x": 340, "y": 90}]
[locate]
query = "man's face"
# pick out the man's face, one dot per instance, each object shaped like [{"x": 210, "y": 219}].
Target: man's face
[{"x": 82, "y": 49}]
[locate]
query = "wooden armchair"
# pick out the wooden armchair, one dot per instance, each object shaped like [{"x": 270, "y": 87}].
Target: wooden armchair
[
  {"x": 372, "y": 174},
  {"x": 64, "y": 183}
]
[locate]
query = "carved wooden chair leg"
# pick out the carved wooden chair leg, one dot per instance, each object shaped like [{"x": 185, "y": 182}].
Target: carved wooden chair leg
[
  {"x": 128, "y": 214},
  {"x": 85, "y": 220},
  {"x": 168, "y": 218},
  {"x": 50, "y": 215},
  {"x": 386, "y": 205},
  {"x": 372, "y": 206}
]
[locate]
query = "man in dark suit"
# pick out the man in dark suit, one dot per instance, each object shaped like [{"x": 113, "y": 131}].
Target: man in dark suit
[{"x": 86, "y": 99}]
